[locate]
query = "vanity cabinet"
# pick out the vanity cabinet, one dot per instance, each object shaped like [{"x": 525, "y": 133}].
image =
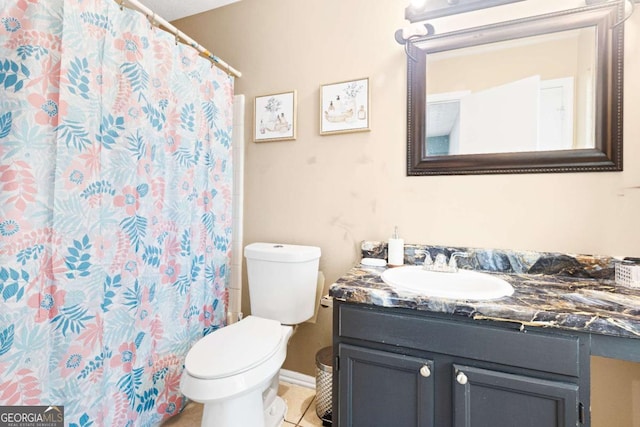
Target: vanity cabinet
[
  {"x": 375, "y": 381},
  {"x": 401, "y": 367},
  {"x": 485, "y": 397}
]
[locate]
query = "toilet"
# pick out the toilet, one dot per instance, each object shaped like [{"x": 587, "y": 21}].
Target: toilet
[{"x": 234, "y": 370}]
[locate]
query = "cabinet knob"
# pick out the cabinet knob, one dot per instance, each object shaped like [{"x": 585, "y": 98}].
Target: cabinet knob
[
  {"x": 461, "y": 378},
  {"x": 425, "y": 371}
]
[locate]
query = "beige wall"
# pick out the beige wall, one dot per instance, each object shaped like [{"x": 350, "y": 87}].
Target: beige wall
[{"x": 335, "y": 191}]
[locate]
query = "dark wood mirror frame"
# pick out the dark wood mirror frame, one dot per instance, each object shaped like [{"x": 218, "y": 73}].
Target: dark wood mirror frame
[{"x": 607, "y": 154}]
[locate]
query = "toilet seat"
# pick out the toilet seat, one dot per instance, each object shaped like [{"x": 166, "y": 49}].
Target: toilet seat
[{"x": 234, "y": 349}]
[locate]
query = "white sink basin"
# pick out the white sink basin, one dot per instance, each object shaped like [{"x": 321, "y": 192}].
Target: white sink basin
[{"x": 464, "y": 284}]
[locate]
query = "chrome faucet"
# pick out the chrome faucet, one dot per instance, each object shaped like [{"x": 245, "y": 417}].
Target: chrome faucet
[
  {"x": 453, "y": 265},
  {"x": 440, "y": 262},
  {"x": 427, "y": 258}
]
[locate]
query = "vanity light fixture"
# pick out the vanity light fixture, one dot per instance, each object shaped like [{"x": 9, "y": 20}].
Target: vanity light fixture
[
  {"x": 418, "y": 4},
  {"x": 419, "y": 10}
]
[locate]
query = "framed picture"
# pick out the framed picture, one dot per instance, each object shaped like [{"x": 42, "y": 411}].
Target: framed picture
[
  {"x": 344, "y": 107},
  {"x": 274, "y": 117}
]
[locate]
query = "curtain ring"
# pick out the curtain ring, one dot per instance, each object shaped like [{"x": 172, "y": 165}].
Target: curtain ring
[
  {"x": 121, "y": 4},
  {"x": 177, "y": 39}
]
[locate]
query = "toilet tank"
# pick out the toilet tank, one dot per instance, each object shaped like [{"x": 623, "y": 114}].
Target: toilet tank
[{"x": 282, "y": 281}]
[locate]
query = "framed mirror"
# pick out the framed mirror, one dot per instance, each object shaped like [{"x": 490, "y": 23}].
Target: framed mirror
[{"x": 533, "y": 95}]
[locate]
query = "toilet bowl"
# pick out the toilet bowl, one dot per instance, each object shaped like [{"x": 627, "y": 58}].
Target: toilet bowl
[
  {"x": 234, "y": 373},
  {"x": 234, "y": 370}
]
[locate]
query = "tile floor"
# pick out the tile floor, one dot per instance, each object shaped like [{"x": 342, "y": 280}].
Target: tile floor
[{"x": 300, "y": 402}]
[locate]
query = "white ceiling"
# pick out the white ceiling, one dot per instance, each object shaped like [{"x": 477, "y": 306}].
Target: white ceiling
[{"x": 176, "y": 9}]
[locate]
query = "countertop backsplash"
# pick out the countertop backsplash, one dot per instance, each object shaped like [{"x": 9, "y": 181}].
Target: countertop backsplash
[
  {"x": 551, "y": 290},
  {"x": 507, "y": 261}
]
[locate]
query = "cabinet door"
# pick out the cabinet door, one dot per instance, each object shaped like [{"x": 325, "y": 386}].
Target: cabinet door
[
  {"x": 382, "y": 389},
  {"x": 485, "y": 398}
]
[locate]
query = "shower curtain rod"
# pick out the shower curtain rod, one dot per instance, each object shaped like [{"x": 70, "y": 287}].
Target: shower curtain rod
[{"x": 155, "y": 20}]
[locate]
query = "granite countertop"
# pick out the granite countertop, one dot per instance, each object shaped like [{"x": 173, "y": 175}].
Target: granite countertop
[{"x": 585, "y": 304}]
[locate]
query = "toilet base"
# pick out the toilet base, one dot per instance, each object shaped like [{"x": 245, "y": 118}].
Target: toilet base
[
  {"x": 274, "y": 415},
  {"x": 256, "y": 409},
  {"x": 241, "y": 411}
]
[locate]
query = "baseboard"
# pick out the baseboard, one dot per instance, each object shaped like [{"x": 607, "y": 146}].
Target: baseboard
[{"x": 297, "y": 378}]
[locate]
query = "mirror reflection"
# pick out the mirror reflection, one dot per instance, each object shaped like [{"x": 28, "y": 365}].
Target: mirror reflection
[
  {"x": 538, "y": 94},
  {"x": 528, "y": 94}
]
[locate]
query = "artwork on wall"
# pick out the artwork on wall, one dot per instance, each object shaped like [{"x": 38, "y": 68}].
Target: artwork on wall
[
  {"x": 274, "y": 117},
  {"x": 344, "y": 107}
]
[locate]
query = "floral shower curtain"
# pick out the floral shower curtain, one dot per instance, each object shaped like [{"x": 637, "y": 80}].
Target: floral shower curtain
[{"x": 115, "y": 209}]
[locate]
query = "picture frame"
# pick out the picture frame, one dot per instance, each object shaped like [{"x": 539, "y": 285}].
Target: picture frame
[
  {"x": 345, "y": 107},
  {"x": 275, "y": 117}
]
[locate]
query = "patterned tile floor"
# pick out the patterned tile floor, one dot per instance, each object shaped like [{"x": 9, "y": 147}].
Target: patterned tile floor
[{"x": 300, "y": 402}]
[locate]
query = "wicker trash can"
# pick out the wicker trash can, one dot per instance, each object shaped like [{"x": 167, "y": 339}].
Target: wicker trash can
[{"x": 324, "y": 384}]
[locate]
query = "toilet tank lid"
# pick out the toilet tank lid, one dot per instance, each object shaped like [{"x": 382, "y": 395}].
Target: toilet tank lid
[{"x": 280, "y": 252}]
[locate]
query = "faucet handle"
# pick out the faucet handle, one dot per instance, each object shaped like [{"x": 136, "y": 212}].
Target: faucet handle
[
  {"x": 427, "y": 256},
  {"x": 452, "y": 259}
]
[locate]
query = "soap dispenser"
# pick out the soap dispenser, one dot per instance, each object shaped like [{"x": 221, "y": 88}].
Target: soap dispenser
[{"x": 395, "y": 249}]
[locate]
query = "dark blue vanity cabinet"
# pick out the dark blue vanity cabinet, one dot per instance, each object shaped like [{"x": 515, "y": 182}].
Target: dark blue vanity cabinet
[
  {"x": 403, "y": 368},
  {"x": 377, "y": 385}
]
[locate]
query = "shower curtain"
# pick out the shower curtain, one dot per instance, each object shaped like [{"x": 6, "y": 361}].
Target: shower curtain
[{"x": 115, "y": 209}]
